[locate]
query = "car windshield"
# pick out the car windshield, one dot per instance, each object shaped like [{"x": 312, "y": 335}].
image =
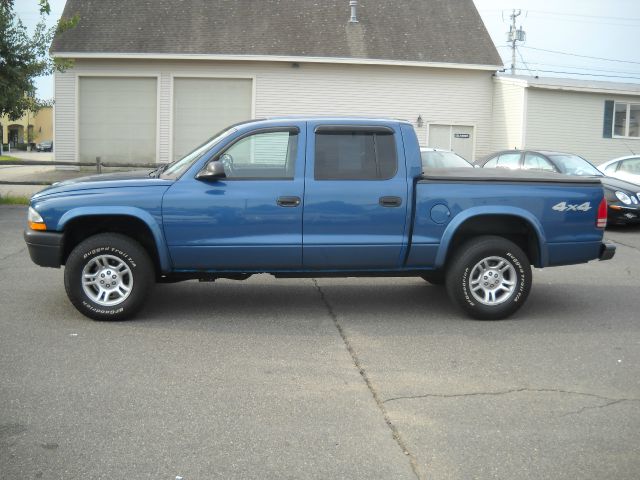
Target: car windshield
[
  {"x": 177, "y": 168},
  {"x": 436, "y": 159},
  {"x": 575, "y": 165}
]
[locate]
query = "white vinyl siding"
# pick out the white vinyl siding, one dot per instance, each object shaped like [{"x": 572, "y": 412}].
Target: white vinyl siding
[
  {"x": 164, "y": 117},
  {"x": 65, "y": 120},
  {"x": 445, "y": 96},
  {"x": 573, "y": 122},
  {"x": 204, "y": 106},
  {"x": 508, "y": 116},
  {"x": 117, "y": 119}
]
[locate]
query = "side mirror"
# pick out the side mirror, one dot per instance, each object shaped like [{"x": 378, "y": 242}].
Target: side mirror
[{"x": 213, "y": 171}]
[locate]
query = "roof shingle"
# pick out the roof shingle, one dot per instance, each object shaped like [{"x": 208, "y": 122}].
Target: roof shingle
[{"x": 448, "y": 31}]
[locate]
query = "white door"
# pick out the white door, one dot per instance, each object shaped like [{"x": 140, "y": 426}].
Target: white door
[
  {"x": 458, "y": 138},
  {"x": 204, "y": 106}
]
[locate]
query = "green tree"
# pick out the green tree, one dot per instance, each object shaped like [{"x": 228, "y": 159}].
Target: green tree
[{"x": 23, "y": 58}]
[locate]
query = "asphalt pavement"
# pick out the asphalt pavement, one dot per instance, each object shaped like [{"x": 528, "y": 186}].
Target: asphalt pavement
[{"x": 328, "y": 378}]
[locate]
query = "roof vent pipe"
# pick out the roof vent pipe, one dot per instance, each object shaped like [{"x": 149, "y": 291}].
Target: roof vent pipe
[{"x": 354, "y": 13}]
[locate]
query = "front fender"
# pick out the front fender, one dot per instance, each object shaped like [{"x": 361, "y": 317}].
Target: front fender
[
  {"x": 470, "y": 213},
  {"x": 140, "y": 214}
]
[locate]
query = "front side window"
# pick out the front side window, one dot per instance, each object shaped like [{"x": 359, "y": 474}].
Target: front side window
[
  {"x": 612, "y": 168},
  {"x": 626, "y": 120},
  {"x": 261, "y": 156},
  {"x": 355, "y": 155}
]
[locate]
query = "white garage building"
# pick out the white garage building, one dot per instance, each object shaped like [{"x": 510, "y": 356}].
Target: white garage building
[
  {"x": 151, "y": 80},
  {"x": 596, "y": 120}
]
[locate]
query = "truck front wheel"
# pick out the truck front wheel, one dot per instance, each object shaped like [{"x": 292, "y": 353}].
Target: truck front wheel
[
  {"x": 108, "y": 276},
  {"x": 489, "y": 278}
]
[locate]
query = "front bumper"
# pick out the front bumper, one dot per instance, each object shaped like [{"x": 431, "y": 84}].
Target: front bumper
[
  {"x": 45, "y": 248},
  {"x": 607, "y": 251},
  {"x": 622, "y": 214}
]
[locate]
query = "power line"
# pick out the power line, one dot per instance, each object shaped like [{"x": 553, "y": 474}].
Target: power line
[
  {"x": 522, "y": 58},
  {"x": 597, "y": 17},
  {"x": 534, "y": 70},
  {"x": 581, "y": 56},
  {"x": 582, "y": 68},
  {"x": 586, "y": 21},
  {"x": 588, "y": 74}
]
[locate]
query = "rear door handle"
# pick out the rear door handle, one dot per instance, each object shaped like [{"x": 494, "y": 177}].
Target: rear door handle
[
  {"x": 390, "y": 202},
  {"x": 288, "y": 201}
]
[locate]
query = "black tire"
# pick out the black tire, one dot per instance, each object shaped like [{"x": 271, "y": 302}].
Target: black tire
[
  {"x": 129, "y": 269},
  {"x": 511, "y": 279}
]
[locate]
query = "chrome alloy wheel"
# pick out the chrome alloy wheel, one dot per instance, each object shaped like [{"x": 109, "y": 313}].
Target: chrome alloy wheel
[
  {"x": 107, "y": 280},
  {"x": 492, "y": 281}
]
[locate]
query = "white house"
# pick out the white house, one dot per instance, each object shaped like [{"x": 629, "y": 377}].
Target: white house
[
  {"x": 152, "y": 80},
  {"x": 596, "y": 120}
]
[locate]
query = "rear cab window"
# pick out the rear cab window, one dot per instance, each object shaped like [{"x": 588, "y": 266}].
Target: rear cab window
[{"x": 355, "y": 153}]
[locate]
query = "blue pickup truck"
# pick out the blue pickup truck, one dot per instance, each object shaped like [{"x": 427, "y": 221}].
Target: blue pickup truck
[{"x": 314, "y": 197}]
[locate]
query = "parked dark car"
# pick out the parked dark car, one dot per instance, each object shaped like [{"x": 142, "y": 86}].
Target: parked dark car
[
  {"x": 623, "y": 198},
  {"x": 46, "y": 146}
]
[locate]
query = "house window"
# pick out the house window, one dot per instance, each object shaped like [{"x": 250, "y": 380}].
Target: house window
[{"x": 626, "y": 120}]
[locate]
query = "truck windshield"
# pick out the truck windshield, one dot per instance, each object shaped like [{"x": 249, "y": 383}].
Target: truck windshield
[
  {"x": 177, "y": 168},
  {"x": 575, "y": 165}
]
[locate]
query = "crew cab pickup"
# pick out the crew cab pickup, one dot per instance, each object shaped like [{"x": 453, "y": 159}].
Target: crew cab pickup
[{"x": 313, "y": 197}]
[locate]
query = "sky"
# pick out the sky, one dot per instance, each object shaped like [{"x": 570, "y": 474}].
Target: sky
[
  {"x": 569, "y": 31},
  {"x": 607, "y": 29}
]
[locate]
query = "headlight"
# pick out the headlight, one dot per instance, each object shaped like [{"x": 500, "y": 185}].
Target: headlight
[
  {"x": 623, "y": 197},
  {"x": 35, "y": 220}
]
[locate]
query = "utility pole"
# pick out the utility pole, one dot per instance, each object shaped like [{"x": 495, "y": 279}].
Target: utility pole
[{"x": 515, "y": 35}]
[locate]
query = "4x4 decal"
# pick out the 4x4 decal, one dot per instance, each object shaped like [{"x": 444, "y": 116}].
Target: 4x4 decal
[{"x": 569, "y": 207}]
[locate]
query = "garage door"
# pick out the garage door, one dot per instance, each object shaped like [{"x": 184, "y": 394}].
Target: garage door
[
  {"x": 204, "y": 106},
  {"x": 118, "y": 119}
]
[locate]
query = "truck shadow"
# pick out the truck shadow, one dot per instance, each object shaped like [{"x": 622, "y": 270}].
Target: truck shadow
[{"x": 298, "y": 305}]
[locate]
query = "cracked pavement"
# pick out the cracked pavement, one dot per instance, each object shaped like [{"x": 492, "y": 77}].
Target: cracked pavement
[{"x": 327, "y": 378}]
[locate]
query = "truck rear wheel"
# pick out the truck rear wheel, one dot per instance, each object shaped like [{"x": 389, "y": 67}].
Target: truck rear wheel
[
  {"x": 489, "y": 278},
  {"x": 108, "y": 277}
]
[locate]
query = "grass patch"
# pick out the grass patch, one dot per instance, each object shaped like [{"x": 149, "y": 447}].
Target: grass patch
[
  {"x": 6, "y": 157},
  {"x": 14, "y": 200}
]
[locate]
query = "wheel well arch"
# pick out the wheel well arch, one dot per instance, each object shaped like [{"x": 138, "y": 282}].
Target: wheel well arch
[
  {"x": 80, "y": 228},
  {"x": 512, "y": 227}
]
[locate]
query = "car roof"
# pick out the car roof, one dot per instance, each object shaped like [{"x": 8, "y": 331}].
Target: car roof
[
  {"x": 628, "y": 157},
  {"x": 525, "y": 150},
  {"x": 433, "y": 149}
]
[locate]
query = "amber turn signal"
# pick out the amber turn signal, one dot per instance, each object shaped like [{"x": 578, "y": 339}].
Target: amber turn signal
[{"x": 37, "y": 226}]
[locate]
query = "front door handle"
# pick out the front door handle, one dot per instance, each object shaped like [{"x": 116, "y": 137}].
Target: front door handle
[
  {"x": 288, "y": 201},
  {"x": 390, "y": 202}
]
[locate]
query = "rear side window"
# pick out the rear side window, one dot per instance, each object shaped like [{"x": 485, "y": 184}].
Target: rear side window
[
  {"x": 536, "y": 162},
  {"x": 355, "y": 155}
]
